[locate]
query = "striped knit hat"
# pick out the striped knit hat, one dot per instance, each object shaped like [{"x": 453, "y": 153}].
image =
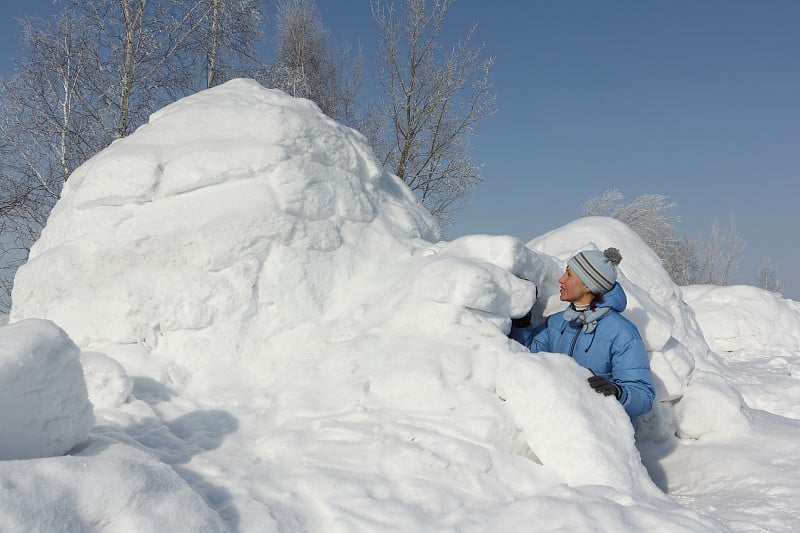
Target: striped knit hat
[{"x": 595, "y": 269}]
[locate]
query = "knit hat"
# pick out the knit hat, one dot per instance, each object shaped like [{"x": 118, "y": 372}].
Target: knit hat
[{"x": 595, "y": 269}]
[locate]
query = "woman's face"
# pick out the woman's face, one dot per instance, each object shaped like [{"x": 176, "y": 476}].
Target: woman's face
[{"x": 573, "y": 290}]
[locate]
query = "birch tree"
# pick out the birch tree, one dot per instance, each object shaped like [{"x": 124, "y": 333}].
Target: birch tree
[
  {"x": 308, "y": 66},
  {"x": 94, "y": 74},
  {"x": 432, "y": 98},
  {"x": 226, "y": 38},
  {"x": 48, "y": 113},
  {"x": 47, "y": 121},
  {"x": 145, "y": 54}
]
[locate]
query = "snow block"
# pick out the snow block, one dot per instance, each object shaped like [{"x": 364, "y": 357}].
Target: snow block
[
  {"x": 586, "y": 437},
  {"x": 729, "y": 416},
  {"x": 44, "y": 405},
  {"x": 107, "y": 381}
]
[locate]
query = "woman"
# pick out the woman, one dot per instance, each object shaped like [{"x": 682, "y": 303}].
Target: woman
[{"x": 594, "y": 333}]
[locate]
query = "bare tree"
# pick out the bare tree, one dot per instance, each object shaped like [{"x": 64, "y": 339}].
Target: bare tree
[
  {"x": 301, "y": 46},
  {"x": 47, "y": 129},
  {"x": 767, "y": 277},
  {"x": 16, "y": 199},
  {"x": 683, "y": 262},
  {"x": 432, "y": 99},
  {"x": 308, "y": 66},
  {"x": 48, "y": 119},
  {"x": 227, "y": 35},
  {"x": 687, "y": 262},
  {"x": 94, "y": 74},
  {"x": 648, "y": 215},
  {"x": 721, "y": 256},
  {"x": 146, "y": 54}
]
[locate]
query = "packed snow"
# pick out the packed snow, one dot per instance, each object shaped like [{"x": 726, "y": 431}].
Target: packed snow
[
  {"x": 44, "y": 405},
  {"x": 274, "y": 337}
]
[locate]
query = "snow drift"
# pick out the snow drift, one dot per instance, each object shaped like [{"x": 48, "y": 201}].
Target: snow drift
[
  {"x": 755, "y": 319},
  {"x": 268, "y": 316},
  {"x": 758, "y": 330}
]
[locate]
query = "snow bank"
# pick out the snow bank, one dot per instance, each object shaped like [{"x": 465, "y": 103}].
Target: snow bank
[
  {"x": 758, "y": 330},
  {"x": 44, "y": 406},
  {"x": 741, "y": 317},
  {"x": 308, "y": 356}
]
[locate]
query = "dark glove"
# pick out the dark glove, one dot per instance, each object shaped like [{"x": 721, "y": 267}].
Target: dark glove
[
  {"x": 605, "y": 387},
  {"x": 521, "y": 322}
]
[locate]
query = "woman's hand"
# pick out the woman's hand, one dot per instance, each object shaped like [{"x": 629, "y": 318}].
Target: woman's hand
[{"x": 605, "y": 387}]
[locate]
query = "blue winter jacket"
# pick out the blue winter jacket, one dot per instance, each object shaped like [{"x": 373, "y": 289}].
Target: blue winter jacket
[{"x": 613, "y": 350}]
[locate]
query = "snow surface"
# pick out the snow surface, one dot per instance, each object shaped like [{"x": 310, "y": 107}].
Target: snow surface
[
  {"x": 275, "y": 338},
  {"x": 758, "y": 333}
]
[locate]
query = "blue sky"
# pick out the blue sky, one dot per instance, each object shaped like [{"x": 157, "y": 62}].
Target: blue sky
[{"x": 698, "y": 100}]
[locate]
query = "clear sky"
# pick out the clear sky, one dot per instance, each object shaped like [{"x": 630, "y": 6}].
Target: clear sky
[{"x": 698, "y": 100}]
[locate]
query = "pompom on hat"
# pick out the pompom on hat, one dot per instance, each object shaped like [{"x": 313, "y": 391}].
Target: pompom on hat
[{"x": 597, "y": 270}]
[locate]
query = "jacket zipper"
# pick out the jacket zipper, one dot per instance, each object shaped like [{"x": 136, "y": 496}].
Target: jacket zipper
[{"x": 574, "y": 340}]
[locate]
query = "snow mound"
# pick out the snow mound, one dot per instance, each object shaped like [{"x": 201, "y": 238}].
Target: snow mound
[
  {"x": 306, "y": 354},
  {"x": 44, "y": 406},
  {"x": 179, "y": 241},
  {"x": 753, "y": 316},
  {"x": 754, "y": 329},
  {"x": 107, "y": 488}
]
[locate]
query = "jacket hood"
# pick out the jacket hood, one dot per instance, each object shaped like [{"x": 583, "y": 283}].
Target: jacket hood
[{"x": 615, "y": 299}]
